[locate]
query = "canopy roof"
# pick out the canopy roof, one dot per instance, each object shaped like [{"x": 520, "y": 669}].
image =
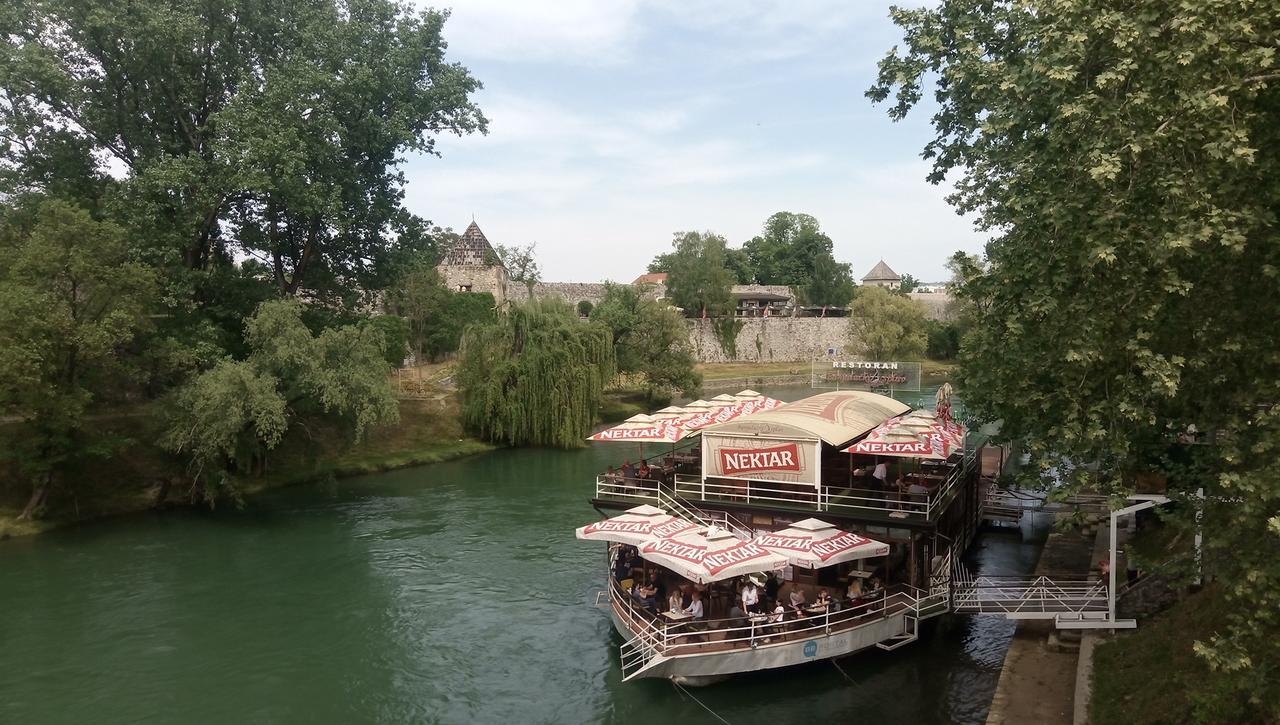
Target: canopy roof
[{"x": 836, "y": 417}]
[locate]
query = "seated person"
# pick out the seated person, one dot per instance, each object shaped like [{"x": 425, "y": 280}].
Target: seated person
[
  {"x": 823, "y": 600},
  {"x": 776, "y": 618},
  {"x": 695, "y": 608},
  {"x": 675, "y": 602},
  {"x": 610, "y": 475},
  {"x": 917, "y": 491},
  {"x": 644, "y": 471},
  {"x": 646, "y": 594},
  {"x": 796, "y": 597}
]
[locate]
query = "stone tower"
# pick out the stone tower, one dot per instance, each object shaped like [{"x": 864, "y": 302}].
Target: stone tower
[{"x": 471, "y": 265}]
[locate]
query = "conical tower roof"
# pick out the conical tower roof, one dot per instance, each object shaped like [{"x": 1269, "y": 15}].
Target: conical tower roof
[
  {"x": 471, "y": 249},
  {"x": 882, "y": 273}
]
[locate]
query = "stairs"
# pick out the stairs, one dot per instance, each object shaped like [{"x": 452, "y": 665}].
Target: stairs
[{"x": 910, "y": 633}]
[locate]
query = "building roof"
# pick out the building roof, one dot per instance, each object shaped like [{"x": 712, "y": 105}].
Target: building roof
[
  {"x": 472, "y": 249},
  {"x": 651, "y": 278},
  {"x": 836, "y": 417},
  {"x": 759, "y": 295},
  {"x": 882, "y": 273}
]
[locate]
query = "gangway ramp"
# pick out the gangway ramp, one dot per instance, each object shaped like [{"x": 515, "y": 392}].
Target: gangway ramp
[{"x": 1070, "y": 603}]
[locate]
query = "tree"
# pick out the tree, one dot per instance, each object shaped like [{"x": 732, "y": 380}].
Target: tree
[
  {"x": 787, "y": 249},
  {"x": 268, "y": 129},
  {"x": 71, "y": 302},
  {"x": 908, "y": 284},
  {"x": 649, "y": 338},
  {"x": 226, "y": 420},
  {"x": 584, "y": 308},
  {"x": 885, "y": 326},
  {"x": 535, "y": 376},
  {"x": 436, "y": 317},
  {"x": 521, "y": 264},
  {"x": 831, "y": 284},
  {"x": 737, "y": 261},
  {"x": 1125, "y": 160},
  {"x": 697, "y": 280}
]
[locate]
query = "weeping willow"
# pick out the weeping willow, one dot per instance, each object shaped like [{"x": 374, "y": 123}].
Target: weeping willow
[{"x": 535, "y": 376}]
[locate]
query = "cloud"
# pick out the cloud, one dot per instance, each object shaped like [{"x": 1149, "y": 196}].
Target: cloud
[{"x": 591, "y": 31}]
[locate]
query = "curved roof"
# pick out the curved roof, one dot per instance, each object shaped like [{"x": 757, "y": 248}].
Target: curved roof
[{"x": 836, "y": 417}]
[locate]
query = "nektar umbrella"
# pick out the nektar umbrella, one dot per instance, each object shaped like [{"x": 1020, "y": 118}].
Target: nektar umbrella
[
  {"x": 814, "y": 543},
  {"x": 709, "y": 555},
  {"x": 636, "y": 526}
]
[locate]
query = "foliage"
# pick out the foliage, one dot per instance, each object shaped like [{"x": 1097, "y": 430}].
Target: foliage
[
  {"x": 535, "y": 376},
  {"x": 793, "y": 250},
  {"x": 436, "y": 317},
  {"x": 522, "y": 265},
  {"x": 71, "y": 301},
  {"x": 1126, "y": 159},
  {"x": 908, "y": 284},
  {"x": 831, "y": 284},
  {"x": 272, "y": 129},
  {"x": 886, "y": 326},
  {"x": 395, "y": 337},
  {"x": 943, "y": 340},
  {"x": 727, "y": 329},
  {"x": 648, "y": 338},
  {"x": 227, "y": 419},
  {"x": 698, "y": 281},
  {"x": 584, "y": 308}
]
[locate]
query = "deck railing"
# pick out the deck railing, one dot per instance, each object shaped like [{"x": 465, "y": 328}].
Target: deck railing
[{"x": 717, "y": 635}]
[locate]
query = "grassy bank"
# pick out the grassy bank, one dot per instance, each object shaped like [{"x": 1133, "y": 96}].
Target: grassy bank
[
  {"x": 128, "y": 481},
  {"x": 1152, "y": 675}
]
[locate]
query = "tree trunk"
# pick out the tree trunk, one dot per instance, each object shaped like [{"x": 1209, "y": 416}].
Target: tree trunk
[{"x": 38, "y": 497}]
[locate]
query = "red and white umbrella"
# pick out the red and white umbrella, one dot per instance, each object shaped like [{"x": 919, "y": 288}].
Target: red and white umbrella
[
  {"x": 670, "y": 425},
  {"x": 912, "y": 436},
  {"x": 814, "y": 543},
  {"x": 636, "y": 526},
  {"x": 709, "y": 555}
]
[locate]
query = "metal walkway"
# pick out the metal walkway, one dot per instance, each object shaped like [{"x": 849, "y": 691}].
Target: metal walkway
[{"x": 1070, "y": 603}]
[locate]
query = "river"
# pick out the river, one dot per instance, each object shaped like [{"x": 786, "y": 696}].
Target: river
[{"x": 452, "y": 593}]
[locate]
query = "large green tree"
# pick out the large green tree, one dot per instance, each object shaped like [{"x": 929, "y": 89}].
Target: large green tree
[
  {"x": 226, "y": 420},
  {"x": 1126, "y": 160},
  {"x": 649, "y": 338},
  {"x": 697, "y": 279},
  {"x": 267, "y": 128},
  {"x": 71, "y": 302},
  {"x": 535, "y": 376},
  {"x": 886, "y": 326},
  {"x": 793, "y": 250},
  {"x": 436, "y": 316}
]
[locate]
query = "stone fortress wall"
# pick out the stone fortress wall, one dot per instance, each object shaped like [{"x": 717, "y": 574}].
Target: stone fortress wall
[{"x": 772, "y": 339}]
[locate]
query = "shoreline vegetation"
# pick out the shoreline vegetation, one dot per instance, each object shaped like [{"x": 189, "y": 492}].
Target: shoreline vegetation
[{"x": 430, "y": 431}]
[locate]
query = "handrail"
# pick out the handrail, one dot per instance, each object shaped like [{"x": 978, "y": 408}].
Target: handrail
[{"x": 666, "y": 641}]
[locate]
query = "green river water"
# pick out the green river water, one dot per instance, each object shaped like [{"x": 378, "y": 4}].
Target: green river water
[{"x": 453, "y": 593}]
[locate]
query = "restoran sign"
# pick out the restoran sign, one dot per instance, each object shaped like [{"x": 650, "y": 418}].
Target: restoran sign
[{"x": 734, "y": 461}]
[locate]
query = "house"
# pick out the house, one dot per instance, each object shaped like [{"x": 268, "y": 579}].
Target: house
[{"x": 470, "y": 264}]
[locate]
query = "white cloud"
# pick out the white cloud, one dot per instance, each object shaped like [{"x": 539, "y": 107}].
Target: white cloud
[{"x": 594, "y": 31}]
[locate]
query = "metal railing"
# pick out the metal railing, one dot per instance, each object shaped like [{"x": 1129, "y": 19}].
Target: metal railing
[
  {"x": 653, "y": 638},
  {"x": 1040, "y": 597}
]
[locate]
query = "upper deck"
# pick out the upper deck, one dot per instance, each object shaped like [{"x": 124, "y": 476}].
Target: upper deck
[{"x": 856, "y": 498}]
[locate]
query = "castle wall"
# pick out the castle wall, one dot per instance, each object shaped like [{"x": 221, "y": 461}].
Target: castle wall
[
  {"x": 480, "y": 279},
  {"x": 772, "y": 339}
]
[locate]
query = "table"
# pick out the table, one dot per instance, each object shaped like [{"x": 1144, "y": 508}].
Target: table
[
  {"x": 671, "y": 616},
  {"x": 816, "y": 609},
  {"x": 860, "y": 574}
]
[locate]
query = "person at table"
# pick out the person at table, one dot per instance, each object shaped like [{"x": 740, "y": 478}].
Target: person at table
[
  {"x": 645, "y": 594},
  {"x": 623, "y": 565},
  {"x": 796, "y": 597},
  {"x": 917, "y": 491},
  {"x": 751, "y": 596},
  {"x": 823, "y": 601},
  {"x": 628, "y": 471},
  {"x": 675, "y": 602},
  {"x": 659, "y": 589},
  {"x": 644, "y": 472},
  {"x": 771, "y": 586},
  {"x": 695, "y": 608}
]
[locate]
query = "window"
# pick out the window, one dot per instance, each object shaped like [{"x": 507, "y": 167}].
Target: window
[{"x": 464, "y": 288}]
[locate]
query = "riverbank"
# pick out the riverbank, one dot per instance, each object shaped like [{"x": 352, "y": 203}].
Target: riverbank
[{"x": 129, "y": 481}]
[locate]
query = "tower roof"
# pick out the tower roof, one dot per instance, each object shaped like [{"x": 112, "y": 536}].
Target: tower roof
[
  {"x": 882, "y": 273},
  {"x": 471, "y": 249}
]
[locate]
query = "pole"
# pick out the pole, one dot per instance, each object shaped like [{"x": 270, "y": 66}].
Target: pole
[
  {"x": 1199, "y": 536},
  {"x": 1111, "y": 585}
]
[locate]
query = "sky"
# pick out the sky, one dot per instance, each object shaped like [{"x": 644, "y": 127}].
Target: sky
[{"x": 615, "y": 124}]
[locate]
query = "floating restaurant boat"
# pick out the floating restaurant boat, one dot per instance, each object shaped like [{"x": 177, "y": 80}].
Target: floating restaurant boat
[{"x": 784, "y": 491}]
